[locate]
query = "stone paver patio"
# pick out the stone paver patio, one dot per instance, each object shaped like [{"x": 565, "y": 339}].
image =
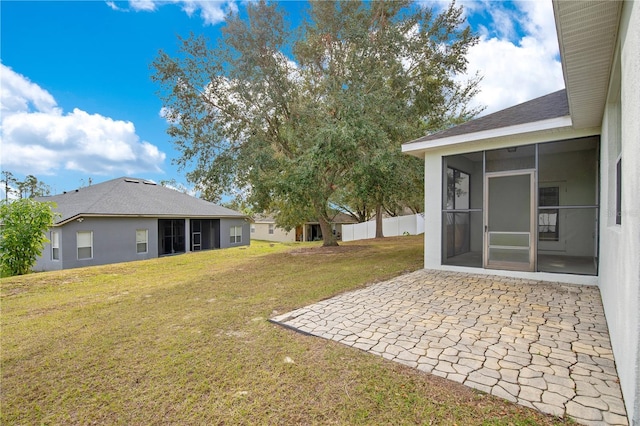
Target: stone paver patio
[{"x": 542, "y": 345}]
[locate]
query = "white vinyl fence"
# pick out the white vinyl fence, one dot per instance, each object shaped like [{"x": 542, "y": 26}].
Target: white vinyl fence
[{"x": 391, "y": 227}]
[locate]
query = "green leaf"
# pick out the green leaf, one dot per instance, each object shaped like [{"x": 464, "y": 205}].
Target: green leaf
[{"x": 23, "y": 224}]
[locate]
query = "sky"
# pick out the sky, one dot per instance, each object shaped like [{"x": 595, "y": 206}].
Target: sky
[{"x": 78, "y": 103}]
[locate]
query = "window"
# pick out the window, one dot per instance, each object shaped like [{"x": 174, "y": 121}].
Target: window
[
  {"x": 253, "y": 229},
  {"x": 619, "y": 192},
  {"x": 235, "y": 234},
  {"x": 271, "y": 228},
  {"x": 548, "y": 226},
  {"x": 142, "y": 240},
  {"x": 84, "y": 240},
  {"x": 55, "y": 245}
]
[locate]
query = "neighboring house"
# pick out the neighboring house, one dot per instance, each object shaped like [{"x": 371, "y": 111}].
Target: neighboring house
[
  {"x": 549, "y": 189},
  {"x": 128, "y": 219},
  {"x": 265, "y": 228}
]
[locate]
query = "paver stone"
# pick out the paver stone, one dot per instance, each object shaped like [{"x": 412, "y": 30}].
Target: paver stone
[
  {"x": 510, "y": 376},
  {"x": 566, "y": 392},
  {"x": 502, "y": 393},
  {"x": 549, "y": 409},
  {"x": 579, "y": 412},
  {"x": 536, "y": 382},
  {"x": 554, "y": 398},
  {"x": 616, "y": 405},
  {"x": 530, "y": 393},
  {"x": 560, "y": 380},
  {"x": 615, "y": 419},
  {"x": 445, "y": 366},
  {"x": 480, "y": 377}
]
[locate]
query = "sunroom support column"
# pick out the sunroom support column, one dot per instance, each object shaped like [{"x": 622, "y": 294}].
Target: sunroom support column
[{"x": 432, "y": 211}]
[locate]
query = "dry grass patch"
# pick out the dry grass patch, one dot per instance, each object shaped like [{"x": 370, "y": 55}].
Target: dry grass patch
[{"x": 186, "y": 340}]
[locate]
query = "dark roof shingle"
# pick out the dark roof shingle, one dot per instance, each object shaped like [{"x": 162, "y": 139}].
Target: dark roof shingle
[
  {"x": 131, "y": 197},
  {"x": 550, "y": 106}
]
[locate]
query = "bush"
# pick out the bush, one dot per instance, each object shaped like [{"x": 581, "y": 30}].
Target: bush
[{"x": 23, "y": 224}]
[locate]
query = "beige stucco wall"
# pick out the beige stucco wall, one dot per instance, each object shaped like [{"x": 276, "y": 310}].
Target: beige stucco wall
[
  {"x": 620, "y": 244},
  {"x": 261, "y": 232}
]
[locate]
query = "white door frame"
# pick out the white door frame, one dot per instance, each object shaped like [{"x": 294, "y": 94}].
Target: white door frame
[{"x": 514, "y": 266}]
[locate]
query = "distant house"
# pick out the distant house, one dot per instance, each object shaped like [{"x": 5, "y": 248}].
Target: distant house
[
  {"x": 265, "y": 228},
  {"x": 128, "y": 219},
  {"x": 549, "y": 189}
]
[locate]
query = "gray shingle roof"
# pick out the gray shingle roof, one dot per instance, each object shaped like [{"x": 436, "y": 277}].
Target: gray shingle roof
[
  {"x": 546, "y": 107},
  {"x": 133, "y": 197}
]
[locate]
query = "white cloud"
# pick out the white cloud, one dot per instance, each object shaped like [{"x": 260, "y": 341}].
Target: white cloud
[
  {"x": 212, "y": 12},
  {"x": 39, "y": 138},
  {"x": 18, "y": 94},
  {"x": 517, "y": 54},
  {"x": 167, "y": 114},
  {"x": 113, "y": 5},
  {"x": 146, "y": 5}
]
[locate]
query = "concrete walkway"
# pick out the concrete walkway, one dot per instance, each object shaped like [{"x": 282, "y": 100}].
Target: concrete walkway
[{"x": 542, "y": 345}]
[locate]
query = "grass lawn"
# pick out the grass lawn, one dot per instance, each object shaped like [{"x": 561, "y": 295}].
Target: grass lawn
[{"x": 185, "y": 340}]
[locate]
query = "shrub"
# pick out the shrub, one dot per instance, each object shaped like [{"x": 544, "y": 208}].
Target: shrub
[{"x": 23, "y": 224}]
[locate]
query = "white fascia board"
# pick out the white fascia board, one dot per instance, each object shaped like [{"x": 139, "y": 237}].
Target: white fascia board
[{"x": 520, "y": 129}]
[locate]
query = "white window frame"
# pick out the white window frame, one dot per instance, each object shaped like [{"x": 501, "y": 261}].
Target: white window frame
[
  {"x": 235, "y": 234},
  {"x": 78, "y": 246},
  {"x": 271, "y": 228},
  {"x": 144, "y": 240},
  {"x": 55, "y": 245}
]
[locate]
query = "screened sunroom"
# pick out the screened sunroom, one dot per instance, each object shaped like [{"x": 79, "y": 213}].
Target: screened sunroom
[{"x": 523, "y": 208}]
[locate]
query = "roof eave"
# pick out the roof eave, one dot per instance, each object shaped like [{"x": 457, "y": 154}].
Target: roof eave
[
  {"x": 419, "y": 148},
  {"x": 587, "y": 36}
]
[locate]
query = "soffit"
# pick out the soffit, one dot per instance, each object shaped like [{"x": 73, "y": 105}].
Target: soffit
[{"x": 587, "y": 33}]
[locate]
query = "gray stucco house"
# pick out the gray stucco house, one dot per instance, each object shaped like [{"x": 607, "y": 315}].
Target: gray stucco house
[{"x": 129, "y": 219}]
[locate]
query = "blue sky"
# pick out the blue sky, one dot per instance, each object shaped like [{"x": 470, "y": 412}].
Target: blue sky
[{"x": 78, "y": 101}]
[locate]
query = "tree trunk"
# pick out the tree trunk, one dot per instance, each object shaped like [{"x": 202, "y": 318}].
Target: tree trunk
[
  {"x": 379, "y": 233},
  {"x": 328, "y": 239}
]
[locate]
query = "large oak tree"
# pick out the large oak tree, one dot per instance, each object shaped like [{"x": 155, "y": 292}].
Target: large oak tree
[{"x": 303, "y": 119}]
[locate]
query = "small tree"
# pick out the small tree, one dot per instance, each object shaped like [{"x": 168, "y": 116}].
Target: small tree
[{"x": 23, "y": 224}]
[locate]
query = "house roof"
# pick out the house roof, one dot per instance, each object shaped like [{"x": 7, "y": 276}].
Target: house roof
[
  {"x": 547, "y": 113},
  {"x": 261, "y": 218},
  {"x": 133, "y": 197},
  {"x": 545, "y": 107}
]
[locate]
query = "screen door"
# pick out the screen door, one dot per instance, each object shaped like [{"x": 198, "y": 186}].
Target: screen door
[{"x": 509, "y": 226}]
